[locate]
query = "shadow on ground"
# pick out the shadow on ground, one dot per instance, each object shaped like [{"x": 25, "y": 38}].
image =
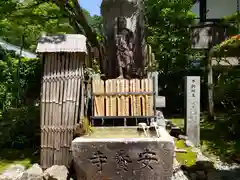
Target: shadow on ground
[
  {"x": 216, "y": 139},
  {"x": 25, "y": 157},
  {"x": 204, "y": 170}
]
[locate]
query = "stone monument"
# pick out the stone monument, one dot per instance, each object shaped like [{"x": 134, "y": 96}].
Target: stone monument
[
  {"x": 123, "y": 27},
  {"x": 192, "y": 104},
  {"x": 129, "y": 152}
]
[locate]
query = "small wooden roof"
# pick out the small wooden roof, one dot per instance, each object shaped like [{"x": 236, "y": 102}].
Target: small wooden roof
[{"x": 62, "y": 43}]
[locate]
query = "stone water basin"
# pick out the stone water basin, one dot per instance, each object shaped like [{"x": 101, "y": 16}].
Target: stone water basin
[{"x": 123, "y": 153}]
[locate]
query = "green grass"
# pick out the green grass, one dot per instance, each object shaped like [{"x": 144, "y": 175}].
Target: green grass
[
  {"x": 188, "y": 158},
  {"x": 178, "y": 122},
  {"x": 25, "y": 157},
  {"x": 214, "y": 139}
]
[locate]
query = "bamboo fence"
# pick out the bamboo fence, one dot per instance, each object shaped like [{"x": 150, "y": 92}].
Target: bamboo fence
[
  {"x": 61, "y": 97},
  {"x": 114, "y": 97}
]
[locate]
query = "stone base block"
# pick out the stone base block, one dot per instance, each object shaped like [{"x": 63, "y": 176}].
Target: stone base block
[{"x": 123, "y": 158}]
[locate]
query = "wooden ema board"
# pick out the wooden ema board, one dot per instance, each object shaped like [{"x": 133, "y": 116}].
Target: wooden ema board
[
  {"x": 107, "y": 104},
  {"x": 61, "y": 88}
]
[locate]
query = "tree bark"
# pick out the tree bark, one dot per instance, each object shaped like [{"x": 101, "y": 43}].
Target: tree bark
[{"x": 211, "y": 116}]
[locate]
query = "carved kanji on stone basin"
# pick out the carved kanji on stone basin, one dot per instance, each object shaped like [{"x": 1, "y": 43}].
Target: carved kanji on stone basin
[{"x": 123, "y": 158}]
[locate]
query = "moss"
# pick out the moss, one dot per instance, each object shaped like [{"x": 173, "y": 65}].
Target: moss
[
  {"x": 4, "y": 164},
  {"x": 188, "y": 158},
  {"x": 87, "y": 126},
  {"x": 25, "y": 157},
  {"x": 179, "y": 122},
  {"x": 215, "y": 140}
]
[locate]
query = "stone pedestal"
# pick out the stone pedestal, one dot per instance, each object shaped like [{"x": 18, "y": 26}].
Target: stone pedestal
[{"x": 124, "y": 158}]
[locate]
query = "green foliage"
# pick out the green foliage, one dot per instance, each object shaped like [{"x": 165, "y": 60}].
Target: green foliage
[
  {"x": 29, "y": 19},
  {"x": 226, "y": 87},
  {"x": 226, "y": 80},
  {"x": 168, "y": 23},
  {"x": 168, "y": 30},
  {"x": 20, "y": 127},
  {"x": 20, "y": 81},
  {"x": 227, "y": 101},
  {"x": 7, "y": 7},
  {"x": 233, "y": 23},
  {"x": 96, "y": 23},
  {"x": 21, "y": 23}
]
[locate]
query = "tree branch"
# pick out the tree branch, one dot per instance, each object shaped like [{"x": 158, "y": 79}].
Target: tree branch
[{"x": 78, "y": 20}]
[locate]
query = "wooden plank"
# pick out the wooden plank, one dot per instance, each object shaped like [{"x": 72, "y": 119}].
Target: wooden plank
[
  {"x": 132, "y": 97},
  {"x": 102, "y": 98},
  {"x": 113, "y": 98},
  {"x": 120, "y": 98},
  {"x": 111, "y": 101},
  {"x": 135, "y": 99},
  {"x": 138, "y": 98},
  {"x": 144, "y": 97},
  {"x": 149, "y": 101},
  {"x": 96, "y": 97},
  {"x": 95, "y": 90},
  {"x": 126, "y": 98},
  {"x": 98, "y": 87},
  {"x": 108, "y": 102}
]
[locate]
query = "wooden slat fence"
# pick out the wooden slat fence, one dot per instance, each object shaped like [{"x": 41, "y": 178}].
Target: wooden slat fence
[
  {"x": 61, "y": 89},
  {"x": 122, "y": 97}
]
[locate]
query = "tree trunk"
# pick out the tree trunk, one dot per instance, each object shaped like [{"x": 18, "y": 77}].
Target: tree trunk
[{"x": 210, "y": 88}]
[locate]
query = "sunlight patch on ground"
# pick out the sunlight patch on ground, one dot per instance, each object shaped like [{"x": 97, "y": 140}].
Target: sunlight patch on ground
[
  {"x": 188, "y": 158},
  {"x": 25, "y": 157},
  {"x": 4, "y": 164}
]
